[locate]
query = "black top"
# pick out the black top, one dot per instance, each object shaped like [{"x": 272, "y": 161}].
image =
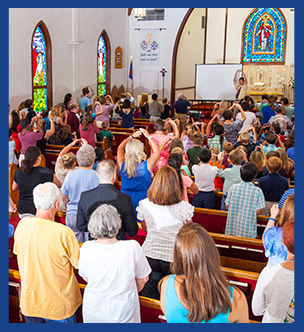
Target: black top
[
  {"x": 41, "y": 144},
  {"x": 30, "y": 114},
  {"x": 107, "y": 194},
  {"x": 250, "y": 147},
  {"x": 27, "y": 183},
  {"x": 273, "y": 186},
  {"x": 166, "y": 113}
]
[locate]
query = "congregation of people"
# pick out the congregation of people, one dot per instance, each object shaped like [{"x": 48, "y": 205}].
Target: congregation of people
[{"x": 245, "y": 152}]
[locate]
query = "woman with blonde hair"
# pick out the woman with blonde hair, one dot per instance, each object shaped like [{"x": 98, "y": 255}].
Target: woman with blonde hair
[
  {"x": 144, "y": 106},
  {"x": 272, "y": 236},
  {"x": 58, "y": 115},
  {"x": 288, "y": 165},
  {"x": 198, "y": 291},
  {"x": 162, "y": 214},
  {"x": 135, "y": 169},
  {"x": 220, "y": 107}
]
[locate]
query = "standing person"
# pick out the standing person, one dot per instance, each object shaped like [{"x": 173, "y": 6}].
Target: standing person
[
  {"x": 155, "y": 108},
  {"x": 289, "y": 110},
  {"x": 232, "y": 127},
  {"x": 144, "y": 106},
  {"x": 103, "y": 106},
  {"x": 67, "y": 100},
  {"x": 240, "y": 86},
  {"x": 166, "y": 109},
  {"x": 85, "y": 100},
  {"x": 275, "y": 287},
  {"x": 29, "y": 175},
  {"x": 27, "y": 137},
  {"x": 198, "y": 291},
  {"x": 267, "y": 108},
  {"x": 81, "y": 179},
  {"x": 30, "y": 110},
  {"x": 50, "y": 291},
  {"x": 275, "y": 250},
  {"x": 105, "y": 132},
  {"x": 106, "y": 193},
  {"x": 135, "y": 169},
  {"x": 250, "y": 117},
  {"x": 162, "y": 214},
  {"x": 88, "y": 129},
  {"x": 114, "y": 270},
  {"x": 181, "y": 109},
  {"x": 244, "y": 201},
  {"x": 194, "y": 152},
  {"x": 58, "y": 116},
  {"x": 72, "y": 119},
  {"x": 46, "y": 133},
  {"x": 126, "y": 113}
]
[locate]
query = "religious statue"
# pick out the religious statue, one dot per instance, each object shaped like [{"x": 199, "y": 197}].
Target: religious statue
[{"x": 264, "y": 32}]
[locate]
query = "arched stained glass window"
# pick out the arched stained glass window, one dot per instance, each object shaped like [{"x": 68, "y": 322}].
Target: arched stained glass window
[
  {"x": 264, "y": 36},
  {"x": 41, "y": 68},
  {"x": 103, "y": 65}
]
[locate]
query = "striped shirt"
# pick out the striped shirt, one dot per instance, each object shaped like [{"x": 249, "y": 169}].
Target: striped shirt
[
  {"x": 284, "y": 197},
  {"x": 243, "y": 199},
  {"x": 215, "y": 142}
]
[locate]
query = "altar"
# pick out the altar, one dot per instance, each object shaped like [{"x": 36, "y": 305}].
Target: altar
[{"x": 256, "y": 92}]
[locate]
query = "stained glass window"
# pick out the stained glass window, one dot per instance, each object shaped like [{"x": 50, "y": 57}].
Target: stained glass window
[
  {"x": 102, "y": 67},
  {"x": 264, "y": 36},
  {"x": 40, "y": 68}
]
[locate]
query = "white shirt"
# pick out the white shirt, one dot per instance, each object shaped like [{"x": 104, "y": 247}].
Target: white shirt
[
  {"x": 204, "y": 176},
  {"x": 250, "y": 120},
  {"x": 111, "y": 295},
  {"x": 273, "y": 293},
  {"x": 163, "y": 223}
]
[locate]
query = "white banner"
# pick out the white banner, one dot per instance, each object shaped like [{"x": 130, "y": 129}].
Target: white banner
[{"x": 149, "y": 47}]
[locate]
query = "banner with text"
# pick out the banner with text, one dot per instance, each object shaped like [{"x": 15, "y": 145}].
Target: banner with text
[{"x": 149, "y": 47}]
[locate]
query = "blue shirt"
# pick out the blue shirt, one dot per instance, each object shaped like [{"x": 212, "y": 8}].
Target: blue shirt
[
  {"x": 75, "y": 183},
  {"x": 274, "y": 247},
  {"x": 284, "y": 197},
  {"x": 267, "y": 114},
  {"x": 177, "y": 313},
  {"x": 181, "y": 106},
  {"x": 273, "y": 186},
  {"x": 290, "y": 153},
  {"x": 127, "y": 119},
  {"x": 84, "y": 102}
]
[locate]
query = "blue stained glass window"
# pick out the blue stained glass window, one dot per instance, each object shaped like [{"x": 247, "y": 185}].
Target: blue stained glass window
[
  {"x": 102, "y": 66},
  {"x": 264, "y": 36},
  {"x": 39, "y": 58}
]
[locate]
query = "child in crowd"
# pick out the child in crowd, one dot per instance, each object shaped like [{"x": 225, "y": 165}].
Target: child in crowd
[
  {"x": 273, "y": 185},
  {"x": 218, "y": 140},
  {"x": 267, "y": 156},
  {"x": 187, "y": 136},
  {"x": 194, "y": 152},
  {"x": 244, "y": 139},
  {"x": 269, "y": 144},
  {"x": 204, "y": 179},
  {"x": 277, "y": 130},
  {"x": 116, "y": 108},
  {"x": 288, "y": 165},
  {"x": 66, "y": 135},
  {"x": 232, "y": 127},
  {"x": 100, "y": 156},
  {"x": 257, "y": 158},
  {"x": 218, "y": 182},
  {"x": 105, "y": 132},
  {"x": 231, "y": 175},
  {"x": 166, "y": 109},
  {"x": 184, "y": 168},
  {"x": 244, "y": 201},
  {"x": 227, "y": 148}
]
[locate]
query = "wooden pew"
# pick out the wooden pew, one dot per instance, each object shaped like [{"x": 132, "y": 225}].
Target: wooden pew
[
  {"x": 150, "y": 309},
  {"x": 52, "y": 152}
]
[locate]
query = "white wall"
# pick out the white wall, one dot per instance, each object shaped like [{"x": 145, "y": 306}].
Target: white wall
[
  {"x": 148, "y": 78},
  {"x": 72, "y": 69}
]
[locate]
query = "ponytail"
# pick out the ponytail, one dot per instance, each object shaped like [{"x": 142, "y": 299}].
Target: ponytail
[{"x": 30, "y": 158}]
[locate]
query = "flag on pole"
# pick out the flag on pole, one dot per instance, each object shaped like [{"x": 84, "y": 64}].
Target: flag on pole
[{"x": 131, "y": 69}]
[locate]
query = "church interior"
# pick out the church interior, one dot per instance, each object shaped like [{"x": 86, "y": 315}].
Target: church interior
[{"x": 174, "y": 53}]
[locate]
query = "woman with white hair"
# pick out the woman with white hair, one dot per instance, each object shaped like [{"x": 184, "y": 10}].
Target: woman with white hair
[
  {"x": 135, "y": 168},
  {"x": 114, "y": 270},
  {"x": 82, "y": 179}
]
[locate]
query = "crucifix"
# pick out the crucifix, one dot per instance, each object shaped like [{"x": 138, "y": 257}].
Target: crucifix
[{"x": 163, "y": 71}]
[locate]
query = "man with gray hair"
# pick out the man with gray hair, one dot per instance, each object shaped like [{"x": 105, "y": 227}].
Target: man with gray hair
[
  {"x": 47, "y": 253},
  {"x": 106, "y": 193},
  {"x": 181, "y": 109},
  {"x": 79, "y": 180}
]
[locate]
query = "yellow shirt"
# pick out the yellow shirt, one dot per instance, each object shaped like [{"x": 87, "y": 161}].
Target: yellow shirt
[{"x": 46, "y": 253}]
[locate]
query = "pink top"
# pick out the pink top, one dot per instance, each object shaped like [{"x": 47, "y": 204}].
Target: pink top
[
  {"x": 29, "y": 138},
  {"x": 89, "y": 134},
  {"x": 187, "y": 182},
  {"x": 162, "y": 161},
  {"x": 105, "y": 115}
]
